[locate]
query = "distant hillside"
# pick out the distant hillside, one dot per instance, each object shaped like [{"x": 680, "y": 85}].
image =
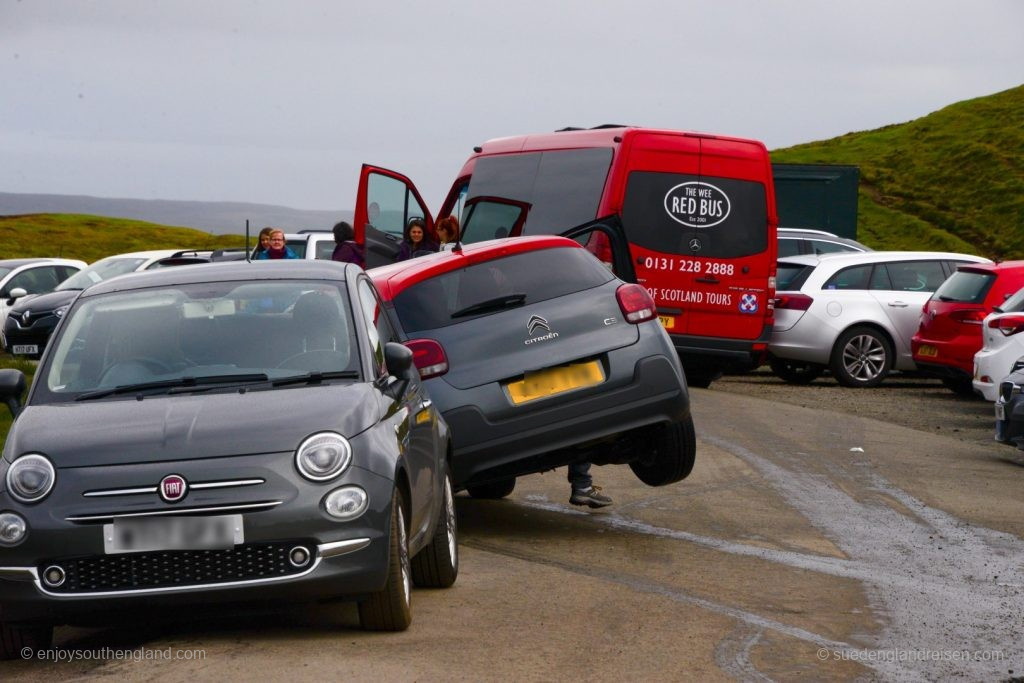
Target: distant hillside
[
  {"x": 217, "y": 217},
  {"x": 90, "y": 238},
  {"x": 951, "y": 180}
]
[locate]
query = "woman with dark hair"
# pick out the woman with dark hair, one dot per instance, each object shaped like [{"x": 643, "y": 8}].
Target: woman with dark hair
[
  {"x": 263, "y": 242},
  {"x": 416, "y": 241},
  {"x": 346, "y": 250}
]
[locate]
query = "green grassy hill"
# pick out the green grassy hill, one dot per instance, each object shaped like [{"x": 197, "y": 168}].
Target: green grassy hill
[
  {"x": 951, "y": 180},
  {"x": 90, "y": 238}
]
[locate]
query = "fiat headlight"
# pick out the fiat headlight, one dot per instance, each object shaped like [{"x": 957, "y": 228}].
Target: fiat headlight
[
  {"x": 12, "y": 528},
  {"x": 346, "y": 503},
  {"x": 323, "y": 456},
  {"x": 30, "y": 478}
]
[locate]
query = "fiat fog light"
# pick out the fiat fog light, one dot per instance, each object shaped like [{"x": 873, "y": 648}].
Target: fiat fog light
[
  {"x": 323, "y": 456},
  {"x": 346, "y": 503},
  {"x": 30, "y": 478},
  {"x": 12, "y": 528}
]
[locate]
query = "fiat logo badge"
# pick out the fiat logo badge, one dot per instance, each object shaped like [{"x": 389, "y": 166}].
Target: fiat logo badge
[{"x": 173, "y": 488}]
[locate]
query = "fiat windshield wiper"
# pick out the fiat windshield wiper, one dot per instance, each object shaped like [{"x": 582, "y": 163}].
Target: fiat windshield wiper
[
  {"x": 315, "y": 377},
  {"x": 203, "y": 382},
  {"x": 495, "y": 304}
]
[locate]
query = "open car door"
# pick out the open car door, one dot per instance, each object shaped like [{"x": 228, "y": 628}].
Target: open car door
[
  {"x": 489, "y": 218},
  {"x": 606, "y": 239},
  {"x": 385, "y": 203}
]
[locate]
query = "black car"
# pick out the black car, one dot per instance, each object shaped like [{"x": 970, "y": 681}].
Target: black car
[
  {"x": 539, "y": 356},
  {"x": 31, "y": 321},
  {"x": 1010, "y": 408},
  {"x": 232, "y": 433}
]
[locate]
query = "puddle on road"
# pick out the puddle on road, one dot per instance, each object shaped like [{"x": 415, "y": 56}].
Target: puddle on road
[{"x": 943, "y": 586}]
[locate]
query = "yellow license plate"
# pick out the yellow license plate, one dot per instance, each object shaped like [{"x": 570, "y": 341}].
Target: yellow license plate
[
  {"x": 667, "y": 322},
  {"x": 927, "y": 351},
  {"x": 553, "y": 381}
]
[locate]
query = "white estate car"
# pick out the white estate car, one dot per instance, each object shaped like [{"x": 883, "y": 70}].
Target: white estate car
[
  {"x": 22, "y": 276},
  {"x": 799, "y": 241},
  {"x": 1002, "y": 346},
  {"x": 853, "y": 313}
]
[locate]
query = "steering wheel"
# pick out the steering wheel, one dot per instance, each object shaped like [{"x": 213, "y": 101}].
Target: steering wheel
[
  {"x": 320, "y": 359},
  {"x": 133, "y": 370}
]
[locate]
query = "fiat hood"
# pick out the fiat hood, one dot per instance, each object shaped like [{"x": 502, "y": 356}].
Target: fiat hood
[{"x": 183, "y": 427}]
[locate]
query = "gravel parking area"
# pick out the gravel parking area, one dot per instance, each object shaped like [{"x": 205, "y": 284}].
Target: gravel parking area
[{"x": 902, "y": 399}]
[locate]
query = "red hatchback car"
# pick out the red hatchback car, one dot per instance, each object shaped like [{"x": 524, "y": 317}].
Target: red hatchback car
[{"x": 950, "y": 331}]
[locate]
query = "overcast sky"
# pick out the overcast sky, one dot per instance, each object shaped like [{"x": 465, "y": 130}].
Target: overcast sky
[{"x": 280, "y": 102}]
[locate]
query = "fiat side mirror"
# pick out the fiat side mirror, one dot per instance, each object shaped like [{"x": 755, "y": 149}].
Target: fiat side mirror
[
  {"x": 12, "y": 386},
  {"x": 399, "y": 361}
]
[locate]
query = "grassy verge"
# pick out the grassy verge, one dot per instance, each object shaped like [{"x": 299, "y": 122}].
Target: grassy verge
[{"x": 91, "y": 238}]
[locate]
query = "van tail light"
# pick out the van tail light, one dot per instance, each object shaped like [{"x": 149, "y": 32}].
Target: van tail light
[
  {"x": 428, "y": 356},
  {"x": 636, "y": 303},
  {"x": 971, "y": 316},
  {"x": 1009, "y": 325},
  {"x": 793, "y": 302}
]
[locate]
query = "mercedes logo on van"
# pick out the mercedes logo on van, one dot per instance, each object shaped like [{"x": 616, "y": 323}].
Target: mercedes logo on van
[
  {"x": 697, "y": 204},
  {"x": 538, "y": 323},
  {"x": 695, "y": 244},
  {"x": 173, "y": 488}
]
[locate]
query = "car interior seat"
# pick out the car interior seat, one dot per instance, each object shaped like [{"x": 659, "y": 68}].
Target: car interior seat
[{"x": 317, "y": 321}]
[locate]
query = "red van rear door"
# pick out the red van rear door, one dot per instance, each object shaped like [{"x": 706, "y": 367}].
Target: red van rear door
[{"x": 696, "y": 213}]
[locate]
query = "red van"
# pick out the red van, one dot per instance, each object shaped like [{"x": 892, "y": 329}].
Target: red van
[{"x": 690, "y": 216}]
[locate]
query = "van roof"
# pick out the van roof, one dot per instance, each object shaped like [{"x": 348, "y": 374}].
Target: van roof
[{"x": 592, "y": 137}]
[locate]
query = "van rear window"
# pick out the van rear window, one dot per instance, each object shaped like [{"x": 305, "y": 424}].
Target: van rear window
[
  {"x": 562, "y": 187},
  {"x": 518, "y": 280},
  {"x": 674, "y": 213},
  {"x": 965, "y": 286}
]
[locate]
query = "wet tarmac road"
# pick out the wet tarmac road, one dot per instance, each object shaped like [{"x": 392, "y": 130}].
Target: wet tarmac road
[{"x": 806, "y": 544}]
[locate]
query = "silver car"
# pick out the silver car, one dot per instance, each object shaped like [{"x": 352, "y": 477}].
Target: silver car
[
  {"x": 853, "y": 313},
  {"x": 797, "y": 241}
]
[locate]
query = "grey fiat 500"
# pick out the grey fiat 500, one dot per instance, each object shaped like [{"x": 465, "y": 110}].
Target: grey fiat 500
[{"x": 222, "y": 433}]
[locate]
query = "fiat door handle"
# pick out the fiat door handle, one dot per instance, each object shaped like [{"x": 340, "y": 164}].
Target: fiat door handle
[{"x": 898, "y": 304}]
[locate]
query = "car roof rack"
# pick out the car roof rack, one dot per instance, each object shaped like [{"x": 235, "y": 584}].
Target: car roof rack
[{"x": 601, "y": 127}]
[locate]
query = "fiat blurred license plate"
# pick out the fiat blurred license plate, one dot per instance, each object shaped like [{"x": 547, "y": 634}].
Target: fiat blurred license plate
[
  {"x": 552, "y": 381},
  {"x": 142, "y": 534}
]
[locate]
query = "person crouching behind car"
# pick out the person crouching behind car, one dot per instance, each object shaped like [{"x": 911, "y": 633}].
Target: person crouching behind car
[
  {"x": 416, "y": 242},
  {"x": 277, "y": 249},
  {"x": 346, "y": 250}
]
